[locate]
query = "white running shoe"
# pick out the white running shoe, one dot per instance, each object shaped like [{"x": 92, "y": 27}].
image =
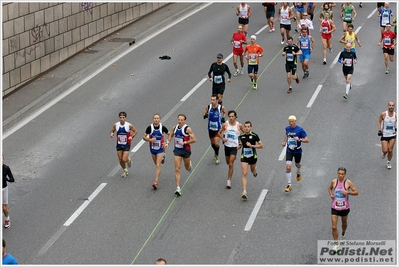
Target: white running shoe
[
  {"x": 282, "y": 41},
  {"x": 236, "y": 73},
  {"x": 125, "y": 173},
  {"x": 389, "y": 166},
  {"x": 228, "y": 184},
  {"x": 242, "y": 71}
]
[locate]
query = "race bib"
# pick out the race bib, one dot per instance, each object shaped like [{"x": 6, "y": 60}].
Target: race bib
[
  {"x": 252, "y": 59},
  {"x": 156, "y": 145},
  {"x": 230, "y": 136},
  {"x": 324, "y": 30},
  {"x": 218, "y": 79},
  {"x": 290, "y": 57},
  {"x": 248, "y": 152},
  {"x": 387, "y": 41},
  {"x": 237, "y": 44},
  {"x": 291, "y": 143},
  {"x": 304, "y": 45},
  {"x": 213, "y": 126},
  {"x": 348, "y": 16},
  {"x": 177, "y": 140},
  {"x": 122, "y": 139},
  {"x": 348, "y": 62},
  {"x": 390, "y": 127}
]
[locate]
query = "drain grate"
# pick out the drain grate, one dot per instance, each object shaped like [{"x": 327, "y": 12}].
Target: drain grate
[
  {"x": 128, "y": 40},
  {"x": 90, "y": 51}
]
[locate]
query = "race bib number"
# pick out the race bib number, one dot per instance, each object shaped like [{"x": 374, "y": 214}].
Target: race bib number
[
  {"x": 304, "y": 45},
  {"x": 213, "y": 126},
  {"x": 248, "y": 152},
  {"x": 237, "y": 44},
  {"x": 156, "y": 145},
  {"x": 348, "y": 16},
  {"x": 390, "y": 127},
  {"x": 291, "y": 143},
  {"x": 122, "y": 139},
  {"x": 252, "y": 59},
  {"x": 230, "y": 136},
  {"x": 290, "y": 57},
  {"x": 324, "y": 30},
  {"x": 348, "y": 62},
  {"x": 387, "y": 41},
  {"x": 177, "y": 140},
  {"x": 218, "y": 79},
  {"x": 340, "y": 204}
]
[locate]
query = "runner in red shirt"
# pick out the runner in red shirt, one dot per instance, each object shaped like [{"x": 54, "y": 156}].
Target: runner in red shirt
[
  {"x": 388, "y": 41},
  {"x": 237, "y": 40},
  {"x": 326, "y": 29}
]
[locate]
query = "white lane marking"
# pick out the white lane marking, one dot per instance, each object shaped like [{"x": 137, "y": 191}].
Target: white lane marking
[
  {"x": 194, "y": 89},
  {"x": 372, "y": 13},
  {"x": 255, "y": 211},
  {"x": 25, "y": 121},
  {"x": 314, "y": 96},
  {"x": 358, "y": 29},
  {"x": 282, "y": 154},
  {"x": 85, "y": 204},
  {"x": 52, "y": 240},
  {"x": 134, "y": 150},
  {"x": 261, "y": 30}
]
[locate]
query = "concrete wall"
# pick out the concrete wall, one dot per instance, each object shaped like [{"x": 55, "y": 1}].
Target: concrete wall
[{"x": 38, "y": 36}]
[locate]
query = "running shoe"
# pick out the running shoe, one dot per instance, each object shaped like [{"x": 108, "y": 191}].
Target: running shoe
[
  {"x": 255, "y": 86},
  {"x": 330, "y": 50},
  {"x": 271, "y": 29},
  {"x": 129, "y": 163},
  {"x": 296, "y": 30},
  {"x": 387, "y": 71},
  {"x": 252, "y": 81},
  {"x": 255, "y": 174},
  {"x": 305, "y": 74},
  {"x": 342, "y": 238},
  {"x": 7, "y": 224},
  {"x": 217, "y": 159},
  {"x": 242, "y": 71},
  {"x": 324, "y": 62},
  {"x": 125, "y": 173},
  {"x": 345, "y": 96},
  {"x": 298, "y": 177},
  {"x": 155, "y": 185},
  {"x": 289, "y": 90},
  {"x": 288, "y": 188},
  {"x": 163, "y": 158},
  {"x": 360, "y": 5},
  {"x": 389, "y": 166},
  {"x": 191, "y": 167},
  {"x": 236, "y": 73},
  {"x": 282, "y": 41},
  {"x": 274, "y": 28},
  {"x": 383, "y": 155},
  {"x": 228, "y": 184},
  {"x": 244, "y": 195},
  {"x": 297, "y": 80},
  {"x": 336, "y": 248},
  {"x": 178, "y": 191}
]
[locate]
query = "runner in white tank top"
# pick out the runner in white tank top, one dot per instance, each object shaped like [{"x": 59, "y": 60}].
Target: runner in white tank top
[{"x": 387, "y": 131}]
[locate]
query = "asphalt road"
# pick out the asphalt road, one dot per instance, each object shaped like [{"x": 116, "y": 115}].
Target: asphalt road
[{"x": 65, "y": 154}]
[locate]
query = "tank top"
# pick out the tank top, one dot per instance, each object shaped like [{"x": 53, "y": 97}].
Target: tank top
[
  {"x": 214, "y": 118},
  {"x": 325, "y": 27},
  {"x": 123, "y": 134},
  {"x": 347, "y": 13},
  {"x": 232, "y": 133},
  {"x": 305, "y": 44},
  {"x": 284, "y": 16},
  {"x": 388, "y": 129},
  {"x": 243, "y": 11},
  {"x": 157, "y": 133},
  {"x": 181, "y": 136},
  {"x": 349, "y": 39},
  {"x": 340, "y": 201}
]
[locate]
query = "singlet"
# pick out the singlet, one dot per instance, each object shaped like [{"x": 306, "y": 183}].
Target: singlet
[
  {"x": 214, "y": 118},
  {"x": 385, "y": 17},
  {"x": 284, "y": 16},
  {"x": 347, "y": 13},
  {"x": 305, "y": 44},
  {"x": 388, "y": 128},
  {"x": 253, "y": 51},
  {"x": 294, "y": 146},
  {"x": 349, "y": 39},
  {"x": 243, "y": 11},
  {"x": 325, "y": 27},
  {"x": 237, "y": 37},
  {"x": 123, "y": 134},
  {"x": 157, "y": 133},
  {"x": 232, "y": 133},
  {"x": 181, "y": 136},
  {"x": 340, "y": 201},
  {"x": 249, "y": 152}
]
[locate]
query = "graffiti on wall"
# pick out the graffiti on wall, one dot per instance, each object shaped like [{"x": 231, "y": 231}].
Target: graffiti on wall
[
  {"x": 87, "y": 6},
  {"x": 38, "y": 32}
]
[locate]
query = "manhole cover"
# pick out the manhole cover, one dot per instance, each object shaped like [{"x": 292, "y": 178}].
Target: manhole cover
[
  {"x": 90, "y": 51},
  {"x": 129, "y": 40}
]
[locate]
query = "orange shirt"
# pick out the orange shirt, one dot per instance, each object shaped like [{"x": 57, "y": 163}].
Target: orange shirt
[{"x": 253, "y": 52}]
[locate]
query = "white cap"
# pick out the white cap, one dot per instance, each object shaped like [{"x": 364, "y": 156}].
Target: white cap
[{"x": 253, "y": 37}]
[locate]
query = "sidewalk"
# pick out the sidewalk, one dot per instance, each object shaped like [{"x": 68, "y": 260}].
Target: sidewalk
[{"x": 31, "y": 97}]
